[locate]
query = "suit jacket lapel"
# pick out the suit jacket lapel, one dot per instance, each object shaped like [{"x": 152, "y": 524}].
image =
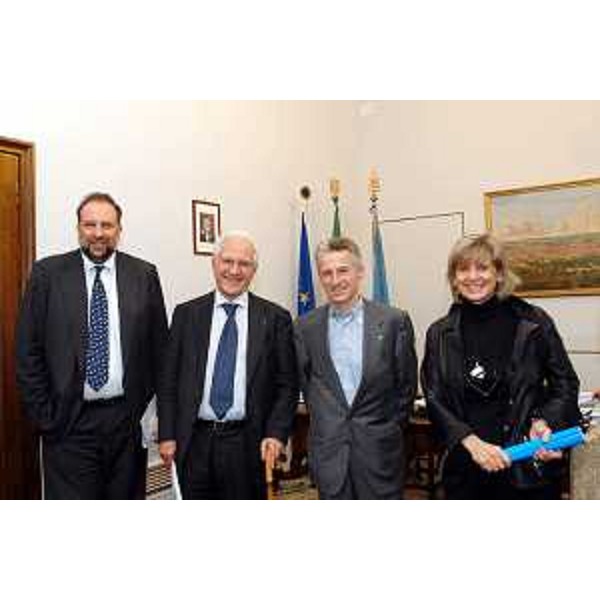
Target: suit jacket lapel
[
  {"x": 452, "y": 358},
  {"x": 127, "y": 298},
  {"x": 200, "y": 340},
  {"x": 373, "y": 333},
  {"x": 321, "y": 328},
  {"x": 76, "y": 305},
  {"x": 257, "y": 326}
]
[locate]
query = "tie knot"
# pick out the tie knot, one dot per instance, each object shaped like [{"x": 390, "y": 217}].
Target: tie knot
[
  {"x": 98, "y": 269},
  {"x": 229, "y": 309}
]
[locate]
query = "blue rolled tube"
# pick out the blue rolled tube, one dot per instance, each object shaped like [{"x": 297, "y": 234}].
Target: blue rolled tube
[
  {"x": 572, "y": 431},
  {"x": 561, "y": 440}
]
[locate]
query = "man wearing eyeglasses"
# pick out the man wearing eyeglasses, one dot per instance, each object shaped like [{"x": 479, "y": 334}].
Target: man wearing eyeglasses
[{"x": 229, "y": 388}]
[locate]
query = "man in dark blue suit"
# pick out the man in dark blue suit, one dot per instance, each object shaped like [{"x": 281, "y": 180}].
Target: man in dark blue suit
[
  {"x": 90, "y": 339},
  {"x": 229, "y": 391}
]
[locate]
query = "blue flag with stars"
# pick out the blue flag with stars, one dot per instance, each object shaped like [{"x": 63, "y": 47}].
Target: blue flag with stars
[
  {"x": 306, "y": 291},
  {"x": 380, "y": 286}
]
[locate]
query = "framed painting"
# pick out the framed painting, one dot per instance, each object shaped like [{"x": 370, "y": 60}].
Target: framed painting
[
  {"x": 552, "y": 236},
  {"x": 206, "y": 219}
]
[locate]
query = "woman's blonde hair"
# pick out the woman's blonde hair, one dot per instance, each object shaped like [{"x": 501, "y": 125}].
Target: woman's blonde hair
[{"x": 484, "y": 249}]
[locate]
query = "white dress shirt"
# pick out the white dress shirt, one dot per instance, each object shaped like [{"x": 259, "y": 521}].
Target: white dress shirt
[
  {"x": 108, "y": 275},
  {"x": 238, "y": 411}
]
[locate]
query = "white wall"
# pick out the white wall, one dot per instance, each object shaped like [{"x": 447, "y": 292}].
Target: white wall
[
  {"x": 254, "y": 156},
  {"x": 441, "y": 156},
  {"x": 156, "y": 156}
]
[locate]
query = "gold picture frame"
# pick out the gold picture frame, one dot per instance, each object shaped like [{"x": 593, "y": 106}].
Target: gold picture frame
[{"x": 551, "y": 234}]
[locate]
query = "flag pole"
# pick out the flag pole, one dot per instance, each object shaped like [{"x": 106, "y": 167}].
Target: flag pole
[
  {"x": 374, "y": 189},
  {"x": 306, "y": 293},
  {"x": 380, "y": 286},
  {"x": 334, "y": 192}
]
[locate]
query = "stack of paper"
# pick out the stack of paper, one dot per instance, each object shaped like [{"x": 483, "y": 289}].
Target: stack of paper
[{"x": 590, "y": 405}]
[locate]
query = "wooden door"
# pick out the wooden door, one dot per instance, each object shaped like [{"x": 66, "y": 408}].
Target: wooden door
[{"x": 19, "y": 458}]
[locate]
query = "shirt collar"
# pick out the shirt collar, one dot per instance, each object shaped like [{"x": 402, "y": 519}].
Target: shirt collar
[
  {"x": 89, "y": 265},
  {"x": 241, "y": 300},
  {"x": 347, "y": 315}
]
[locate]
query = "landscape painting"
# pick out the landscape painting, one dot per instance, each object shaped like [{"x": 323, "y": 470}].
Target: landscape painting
[{"x": 552, "y": 236}]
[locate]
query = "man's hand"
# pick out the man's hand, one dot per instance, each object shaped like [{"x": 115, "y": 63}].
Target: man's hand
[
  {"x": 167, "y": 451},
  {"x": 270, "y": 450},
  {"x": 489, "y": 457}
]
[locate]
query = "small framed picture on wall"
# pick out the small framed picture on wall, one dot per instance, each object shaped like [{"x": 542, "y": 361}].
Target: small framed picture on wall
[{"x": 206, "y": 218}]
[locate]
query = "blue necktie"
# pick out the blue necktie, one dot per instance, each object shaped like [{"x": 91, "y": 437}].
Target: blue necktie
[
  {"x": 221, "y": 391},
  {"x": 96, "y": 360}
]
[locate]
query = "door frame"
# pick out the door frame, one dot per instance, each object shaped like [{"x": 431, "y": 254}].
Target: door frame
[{"x": 26, "y": 152}]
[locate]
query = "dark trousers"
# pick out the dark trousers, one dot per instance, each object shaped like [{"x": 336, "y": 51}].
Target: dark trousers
[
  {"x": 355, "y": 488},
  {"x": 346, "y": 492},
  {"x": 484, "y": 486},
  {"x": 100, "y": 458},
  {"x": 221, "y": 465},
  {"x": 464, "y": 480}
]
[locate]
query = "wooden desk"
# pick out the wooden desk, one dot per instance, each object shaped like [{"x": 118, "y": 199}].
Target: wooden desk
[
  {"x": 423, "y": 455},
  {"x": 298, "y": 466}
]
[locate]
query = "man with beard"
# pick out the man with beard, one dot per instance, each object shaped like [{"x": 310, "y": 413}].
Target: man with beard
[{"x": 90, "y": 339}]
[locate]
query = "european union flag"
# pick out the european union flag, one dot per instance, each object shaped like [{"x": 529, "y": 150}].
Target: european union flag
[
  {"x": 306, "y": 291},
  {"x": 380, "y": 286}
]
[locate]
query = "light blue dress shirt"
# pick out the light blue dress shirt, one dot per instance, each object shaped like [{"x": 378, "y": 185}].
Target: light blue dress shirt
[
  {"x": 346, "y": 346},
  {"x": 108, "y": 275},
  {"x": 238, "y": 411}
]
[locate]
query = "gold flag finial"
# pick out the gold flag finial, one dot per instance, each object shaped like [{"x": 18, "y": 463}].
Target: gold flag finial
[
  {"x": 374, "y": 185},
  {"x": 334, "y": 188}
]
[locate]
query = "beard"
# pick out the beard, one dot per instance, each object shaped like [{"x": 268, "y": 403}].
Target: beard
[{"x": 108, "y": 252}]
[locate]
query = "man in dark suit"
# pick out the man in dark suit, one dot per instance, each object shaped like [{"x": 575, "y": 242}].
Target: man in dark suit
[
  {"x": 90, "y": 340},
  {"x": 358, "y": 373},
  {"x": 229, "y": 390}
]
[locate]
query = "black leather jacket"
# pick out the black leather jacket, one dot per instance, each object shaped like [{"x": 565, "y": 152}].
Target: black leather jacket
[{"x": 541, "y": 380}]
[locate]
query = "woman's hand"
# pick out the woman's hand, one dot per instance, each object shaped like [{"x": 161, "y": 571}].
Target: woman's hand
[
  {"x": 541, "y": 430},
  {"x": 489, "y": 457}
]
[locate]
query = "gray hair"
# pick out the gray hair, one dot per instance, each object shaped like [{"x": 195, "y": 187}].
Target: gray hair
[
  {"x": 339, "y": 244},
  {"x": 237, "y": 235},
  {"x": 485, "y": 249}
]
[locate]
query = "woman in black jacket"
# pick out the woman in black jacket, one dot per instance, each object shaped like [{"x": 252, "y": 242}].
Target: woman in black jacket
[{"x": 495, "y": 373}]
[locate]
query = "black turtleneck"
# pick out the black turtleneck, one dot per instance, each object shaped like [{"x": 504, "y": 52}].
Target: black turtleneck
[{"x": 488, "y": 334}]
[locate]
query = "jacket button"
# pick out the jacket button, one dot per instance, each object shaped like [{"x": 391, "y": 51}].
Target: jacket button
[{"x": 506, "y": 428}]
